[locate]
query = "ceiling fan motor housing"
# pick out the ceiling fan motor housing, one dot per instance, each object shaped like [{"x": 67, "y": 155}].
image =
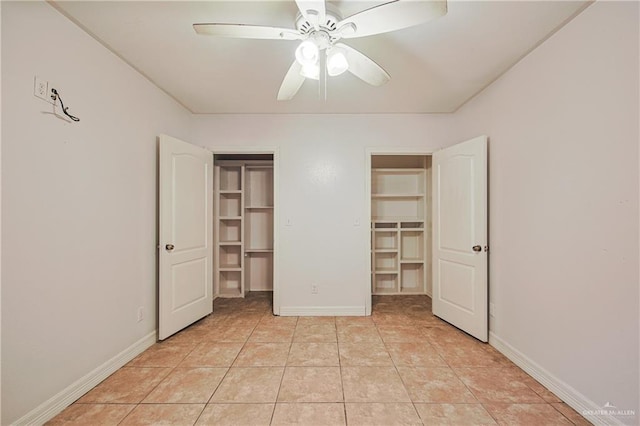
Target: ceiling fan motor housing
[{"x": 324, "y": 36}]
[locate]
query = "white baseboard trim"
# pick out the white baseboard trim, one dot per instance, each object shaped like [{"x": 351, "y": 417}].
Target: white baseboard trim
[
  {"x": 54, "y": 405},
  {"x": 583, "y": 405},
  {"x": 322, "y": 311}
]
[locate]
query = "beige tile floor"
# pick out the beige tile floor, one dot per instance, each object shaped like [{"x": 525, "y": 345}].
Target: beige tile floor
[{"x": 243, "y": 366}]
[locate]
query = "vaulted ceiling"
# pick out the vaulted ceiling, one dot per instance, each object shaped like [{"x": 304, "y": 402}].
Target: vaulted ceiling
[{"x": 435, "y": 67}]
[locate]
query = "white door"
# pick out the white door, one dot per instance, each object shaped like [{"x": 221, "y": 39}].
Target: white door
[
  {"x": 186, "y": 222},
  {"x": 460, "y": 281}
]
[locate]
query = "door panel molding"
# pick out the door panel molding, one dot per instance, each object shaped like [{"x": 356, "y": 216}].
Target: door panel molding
[
  {"x": 185, "y": 281},
  {"x": 460, "y": 222}
]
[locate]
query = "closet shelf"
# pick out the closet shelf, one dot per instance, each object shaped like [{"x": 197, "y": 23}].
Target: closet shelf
[
  {"x": 252, "y": 250},
  {"x": 408, "y": 171},
  {"x": 391, "y": 220},
  {"x": 230, "y": 268},
  {"x": 388, "y": 219},
  {"x": 407, "y": 195},
  {"x": 386, "y": 290},
  {"x": 259, "y": 207},
  {"x": 412, "y": 291},
  {"x": 230, "y": 217},
  {"x": 385, "y": 271},
  {"x": 230, "y": 243},
  {"x": 230, "y": 191}
]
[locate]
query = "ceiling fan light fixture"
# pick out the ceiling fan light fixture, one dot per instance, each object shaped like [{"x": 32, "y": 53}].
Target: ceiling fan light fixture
[
  {"x": 319, "y": 28},
  {"x": 307, "y": 53},
  {"x": 311, "y": 71},
  {"x": 336, "y": 62}
]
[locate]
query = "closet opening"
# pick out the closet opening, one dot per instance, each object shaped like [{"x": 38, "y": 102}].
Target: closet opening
[
  {"x": 243, "y": 227},
  {"x": 400, "y": 229}
]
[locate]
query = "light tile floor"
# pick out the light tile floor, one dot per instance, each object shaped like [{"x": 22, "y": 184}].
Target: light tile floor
[{"x": 243, "y": 366}]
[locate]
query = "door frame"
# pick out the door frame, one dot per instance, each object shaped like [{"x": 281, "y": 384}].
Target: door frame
[
  {"x": 276, "y": 207},
  {"x": 370, "y": 152}
]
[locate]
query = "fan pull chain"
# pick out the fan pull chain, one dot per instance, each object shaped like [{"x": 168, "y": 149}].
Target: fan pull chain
[{"x": 322, "y": 76}]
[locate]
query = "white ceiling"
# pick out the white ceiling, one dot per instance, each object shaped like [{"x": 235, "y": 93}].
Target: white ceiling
[{"x": 434, "y": 67}]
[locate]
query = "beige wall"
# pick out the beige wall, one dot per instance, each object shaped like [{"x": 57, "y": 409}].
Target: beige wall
[
  {"x": 78, "y": 207},
  {"x": 563, "y": 126},
  {"x": 322, "y": 192}
]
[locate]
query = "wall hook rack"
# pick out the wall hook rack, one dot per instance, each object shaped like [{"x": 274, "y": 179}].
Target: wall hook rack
[{"x": 55, "y": 95}]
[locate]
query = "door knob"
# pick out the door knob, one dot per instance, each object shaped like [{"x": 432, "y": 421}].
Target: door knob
[
  {"x": 477, "y": 248},
  {"x": 169, "y": 247}
]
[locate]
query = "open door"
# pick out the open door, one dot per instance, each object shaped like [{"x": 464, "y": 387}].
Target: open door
[
  {"x": 460, "y": 251},
  {"x": 186, "y": 221}
]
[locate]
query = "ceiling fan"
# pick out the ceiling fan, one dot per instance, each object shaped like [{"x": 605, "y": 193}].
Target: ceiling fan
[{"x": 320, "y": 27}]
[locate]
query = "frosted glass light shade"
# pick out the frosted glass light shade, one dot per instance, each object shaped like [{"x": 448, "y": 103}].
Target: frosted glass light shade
[
  {"x": 336, "y": 62},
  {"x": 311, "y": 71},
  {"x": 307, "y": 53}
]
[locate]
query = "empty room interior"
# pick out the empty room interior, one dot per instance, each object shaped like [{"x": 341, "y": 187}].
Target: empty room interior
[{"x": 310, "y": 212}]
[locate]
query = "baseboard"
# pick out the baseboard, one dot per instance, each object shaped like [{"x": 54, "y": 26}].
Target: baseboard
[
  {"x": 54, "y": 405},
  {"x": 322, "y": 311},
  {"x": 583, "y": 405}
]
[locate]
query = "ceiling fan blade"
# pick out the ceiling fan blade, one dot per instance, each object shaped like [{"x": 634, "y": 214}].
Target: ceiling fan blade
[
  {"x": 364, "y": 67},
  {"x": 247, "y": 31},
  {"x": 313, "y": 11},
  {"x": 292, "y": 82},
  {"x": 393, "y": 16}
]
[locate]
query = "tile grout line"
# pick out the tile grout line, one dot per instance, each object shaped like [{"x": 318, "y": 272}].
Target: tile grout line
[
  {"x": 465, "y": 385},
  {"x": 139, "y": 403},
  {"x": 395, "y": 366},
  {"x": 344, "y": 398},
  {"x": 284, "y": 370},
  {"x": 564, "y": 415},
  {"x": 236, "y": 357},
  {"x": 174, "y": 369},
  {"x": 484, "y": 403},
  {"x": 226, "y": 372}
]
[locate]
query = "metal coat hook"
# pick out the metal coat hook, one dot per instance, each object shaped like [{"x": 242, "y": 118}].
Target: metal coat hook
[{"x": 55, "y": 95}]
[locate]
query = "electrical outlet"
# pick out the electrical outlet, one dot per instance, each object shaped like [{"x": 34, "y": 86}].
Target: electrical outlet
[
  {"x": 41, "y": 89},
  {"x": 492, "y": 309},
  {"x": 140, "y": 313},
  {"x": 314, "y": 289},
  {"x": 52, "y": 97}
]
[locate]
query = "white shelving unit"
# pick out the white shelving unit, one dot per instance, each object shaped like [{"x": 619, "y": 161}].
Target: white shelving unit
[
  {"x": 258, "y": 212},
  {"x": 228, "y": 259},
  {"x": 243, "y": 227},
  {"x": 400, "y": 225}
]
